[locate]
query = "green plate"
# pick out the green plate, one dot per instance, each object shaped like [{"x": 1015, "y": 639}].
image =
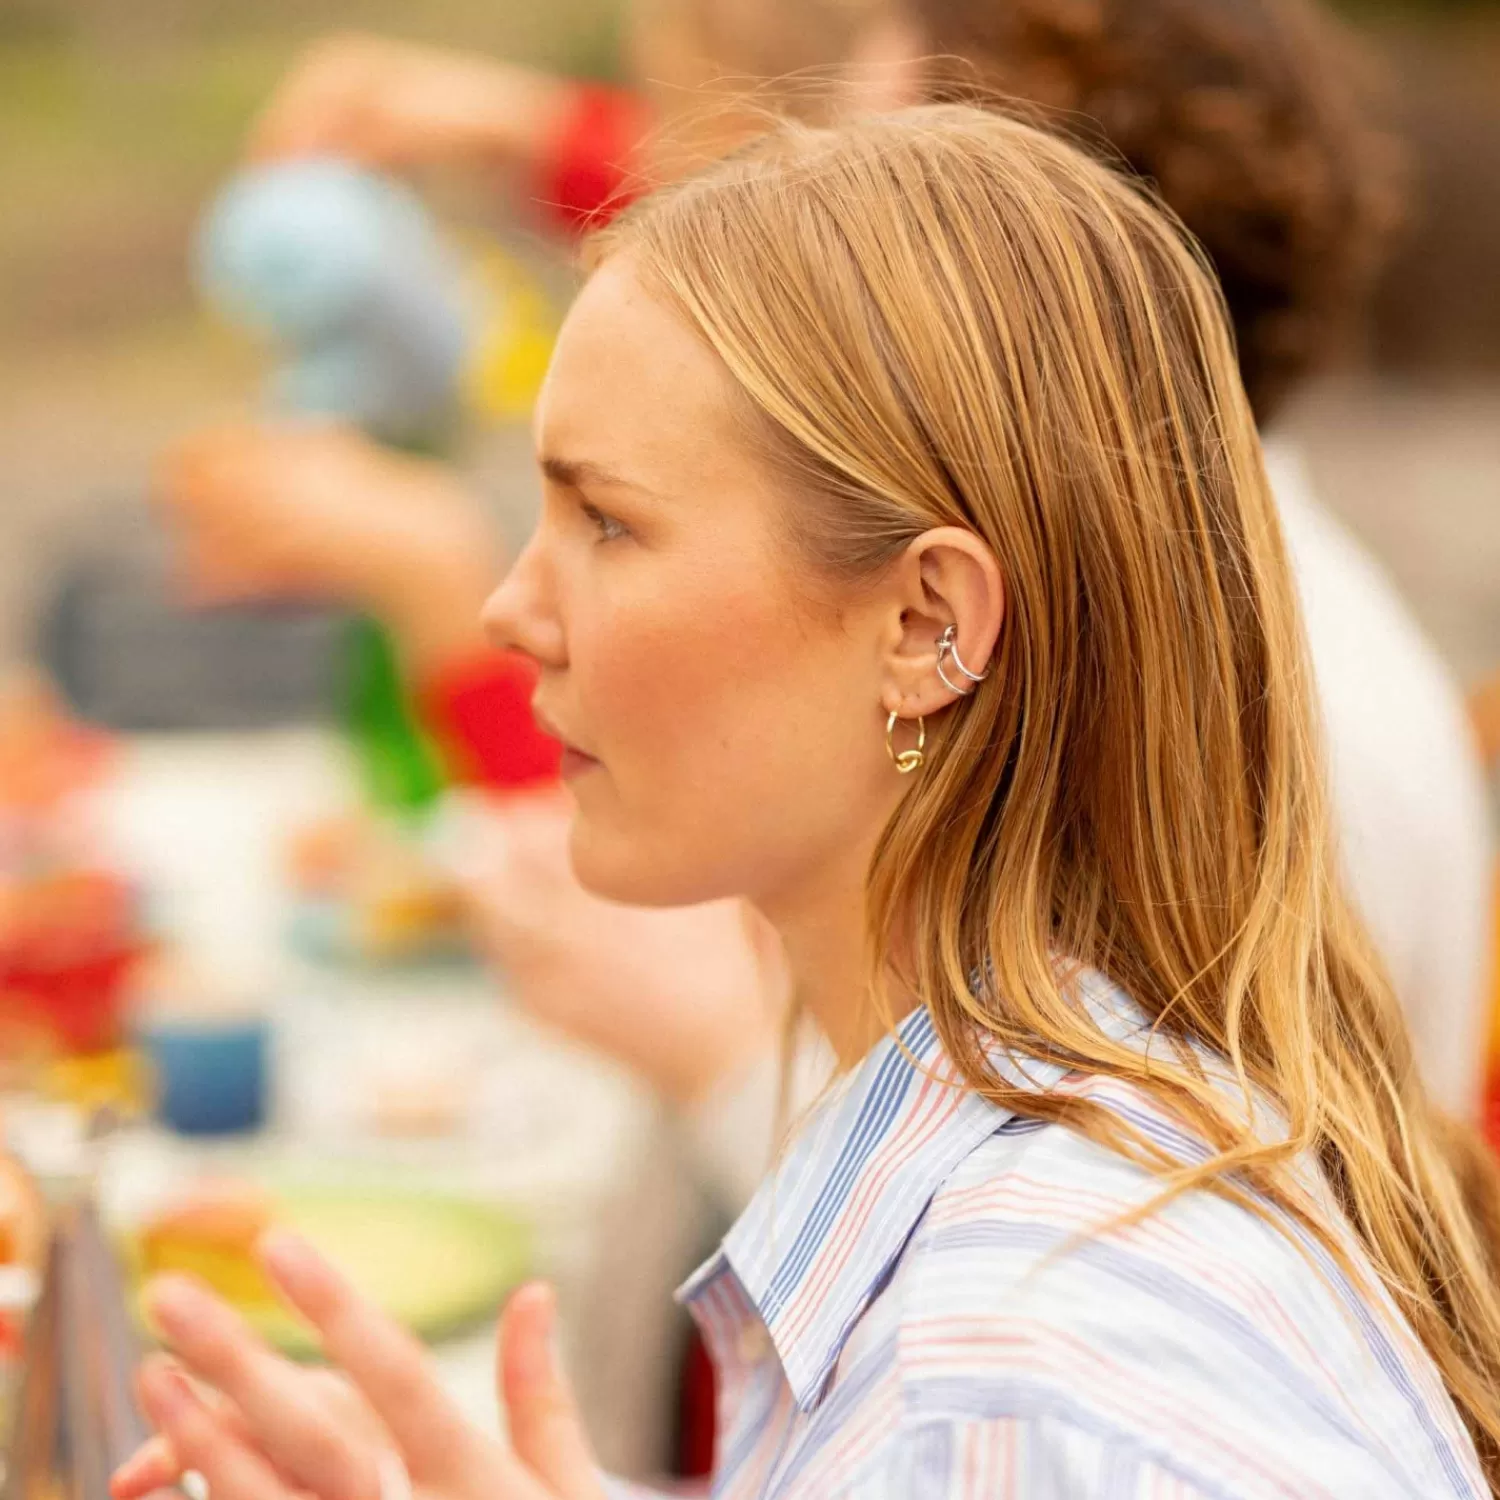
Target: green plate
[{"x": 438, "y": 1263}]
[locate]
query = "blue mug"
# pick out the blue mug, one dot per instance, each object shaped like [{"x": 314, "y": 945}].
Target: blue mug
[{"x": 212, "y": 1076}]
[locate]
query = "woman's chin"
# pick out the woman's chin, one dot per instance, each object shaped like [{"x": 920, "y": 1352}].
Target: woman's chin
[{"x": 625, "y": 870}]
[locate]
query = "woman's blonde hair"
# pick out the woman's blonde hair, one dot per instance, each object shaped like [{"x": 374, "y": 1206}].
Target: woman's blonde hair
[{"x": 945, "y": 317}]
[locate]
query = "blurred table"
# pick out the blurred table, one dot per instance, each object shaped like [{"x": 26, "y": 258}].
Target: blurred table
[{"x": 570, "y": 1142}]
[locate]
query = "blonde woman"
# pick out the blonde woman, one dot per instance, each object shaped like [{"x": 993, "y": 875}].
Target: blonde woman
[
  {"x": 1248, "y": 116},
  {"x": 907, "y": 567}
]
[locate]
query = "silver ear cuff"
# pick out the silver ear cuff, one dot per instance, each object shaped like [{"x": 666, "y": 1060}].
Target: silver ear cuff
[
  {"x": 947, "y": 646},
  {"x": 953, "y": 687}
]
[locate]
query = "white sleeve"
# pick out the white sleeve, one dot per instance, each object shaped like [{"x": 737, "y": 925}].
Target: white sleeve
[
  {"x": 1410, "y": 802},
  {"x": 1447, "y": 1003}
]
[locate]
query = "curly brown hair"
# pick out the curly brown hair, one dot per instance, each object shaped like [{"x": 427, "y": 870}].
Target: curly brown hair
[{"x": 1251, "y": 117}]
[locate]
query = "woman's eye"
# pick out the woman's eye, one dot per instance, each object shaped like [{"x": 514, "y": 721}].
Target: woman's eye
[{"x": 607, "y": 527}]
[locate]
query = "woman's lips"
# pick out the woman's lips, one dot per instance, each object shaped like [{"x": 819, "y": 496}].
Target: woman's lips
[{"x": 575, "y": 763}]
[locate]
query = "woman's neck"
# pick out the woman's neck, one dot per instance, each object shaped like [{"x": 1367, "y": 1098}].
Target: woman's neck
[{"x": 822, "y": 929}]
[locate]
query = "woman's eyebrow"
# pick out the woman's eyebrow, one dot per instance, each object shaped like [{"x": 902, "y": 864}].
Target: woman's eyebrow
[{"x": 576, "y": 473}]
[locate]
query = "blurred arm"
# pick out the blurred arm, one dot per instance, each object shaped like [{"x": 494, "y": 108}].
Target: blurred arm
[
  {"x": 577, "y": 147},
  {"x": 397, "y": 104}
]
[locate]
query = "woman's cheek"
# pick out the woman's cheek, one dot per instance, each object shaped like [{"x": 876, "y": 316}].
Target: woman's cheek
[{"x": 666, "y": 683}]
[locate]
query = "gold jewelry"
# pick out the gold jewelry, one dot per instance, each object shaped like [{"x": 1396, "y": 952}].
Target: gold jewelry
[{"x": 906, "y": 761}]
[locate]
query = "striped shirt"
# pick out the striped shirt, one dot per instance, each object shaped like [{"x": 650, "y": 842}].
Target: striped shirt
[{"x": 920, "y": 1301}]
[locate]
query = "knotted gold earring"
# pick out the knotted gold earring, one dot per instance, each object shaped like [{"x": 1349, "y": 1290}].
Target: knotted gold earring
[{"x": 906, "y": 761}]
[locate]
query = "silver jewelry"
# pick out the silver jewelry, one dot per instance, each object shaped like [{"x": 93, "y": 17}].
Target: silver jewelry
[
  {"x": 951, "y": 635},
  {"x": 953, "y": 687},
  {"x": 947, "y": 646}
]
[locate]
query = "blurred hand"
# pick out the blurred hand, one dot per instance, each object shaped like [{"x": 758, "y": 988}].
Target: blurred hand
[
  {"x": 277, "y": 1431},
  {"x": 156, "y": 1465},
  {"x": 396, "y": 104},
  {"x": 685, "y": 996},
  {"x": 323, "y": 511},
  {"x": 45, "y": 755}
]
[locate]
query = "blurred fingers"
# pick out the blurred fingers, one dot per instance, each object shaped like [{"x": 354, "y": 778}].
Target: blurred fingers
[
  {"x": 545, "y": 1428},
  {"x": 204, "y": 1439},
  {"x": 287, "y": 1415},
  {"x": 387, "y": 1365}
]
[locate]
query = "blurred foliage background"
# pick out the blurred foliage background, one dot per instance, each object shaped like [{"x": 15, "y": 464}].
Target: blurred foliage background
[{"x": 118, "y": 117}]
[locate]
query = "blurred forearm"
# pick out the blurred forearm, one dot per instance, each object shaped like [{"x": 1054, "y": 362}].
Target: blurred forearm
[{"x": 398, "y": 104}]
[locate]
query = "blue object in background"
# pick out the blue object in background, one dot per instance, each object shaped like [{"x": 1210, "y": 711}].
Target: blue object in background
[
  {"x": 375, "y": 323},
  {"x": 212, "y": 1076},
  {"x": 347, "y": 273}
]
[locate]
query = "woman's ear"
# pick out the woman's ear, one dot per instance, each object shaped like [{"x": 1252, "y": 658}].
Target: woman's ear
[{"x": 947, "y": 579}]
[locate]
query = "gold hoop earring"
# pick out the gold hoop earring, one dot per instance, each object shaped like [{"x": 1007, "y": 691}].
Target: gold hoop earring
[{"x": 906, "y": 761}]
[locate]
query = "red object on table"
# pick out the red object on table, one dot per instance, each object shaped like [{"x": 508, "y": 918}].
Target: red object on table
[
  {"x": 12, "y": 1337},
  {"x": 69, "y": 940},
  {"x": 79, "y": 1002},
  {"x": 479, "y": 712}
]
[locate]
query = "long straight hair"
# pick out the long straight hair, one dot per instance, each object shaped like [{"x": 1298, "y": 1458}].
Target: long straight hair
[{"x": 944, "y": 317}]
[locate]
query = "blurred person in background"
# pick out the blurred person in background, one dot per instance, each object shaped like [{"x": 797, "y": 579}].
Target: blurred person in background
[{"x": 1250, "y": 121}]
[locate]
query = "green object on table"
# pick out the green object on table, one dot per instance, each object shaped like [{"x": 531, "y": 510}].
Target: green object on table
[
  {"x": 438, "y": 1263},
  {"x": 398, "y": 763}
]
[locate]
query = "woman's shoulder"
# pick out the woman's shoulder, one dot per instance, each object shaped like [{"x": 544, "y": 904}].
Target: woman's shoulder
[
  {"x": 1047, "y": 1278},
  {"x": 1043, "y": 1203}
]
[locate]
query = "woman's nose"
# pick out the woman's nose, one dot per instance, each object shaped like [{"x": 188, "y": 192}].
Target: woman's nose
[{"x": 521, "y": 615}]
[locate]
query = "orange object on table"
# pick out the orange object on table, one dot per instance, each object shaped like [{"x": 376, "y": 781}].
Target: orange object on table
[
  {"x": 212, "y": 1234},
  {"x": 23, "y": 1216},
  {"x": 68, "y": 929}
]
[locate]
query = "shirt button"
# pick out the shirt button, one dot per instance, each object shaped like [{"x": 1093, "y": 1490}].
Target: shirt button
[{"x": 752, "y": 1342}]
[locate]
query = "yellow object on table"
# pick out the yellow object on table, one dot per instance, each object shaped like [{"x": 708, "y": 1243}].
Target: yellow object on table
[{"x": 119, "y": 1079}]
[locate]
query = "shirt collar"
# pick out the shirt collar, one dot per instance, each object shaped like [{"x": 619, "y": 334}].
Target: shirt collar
[{"x": 822, "y": 1233}]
